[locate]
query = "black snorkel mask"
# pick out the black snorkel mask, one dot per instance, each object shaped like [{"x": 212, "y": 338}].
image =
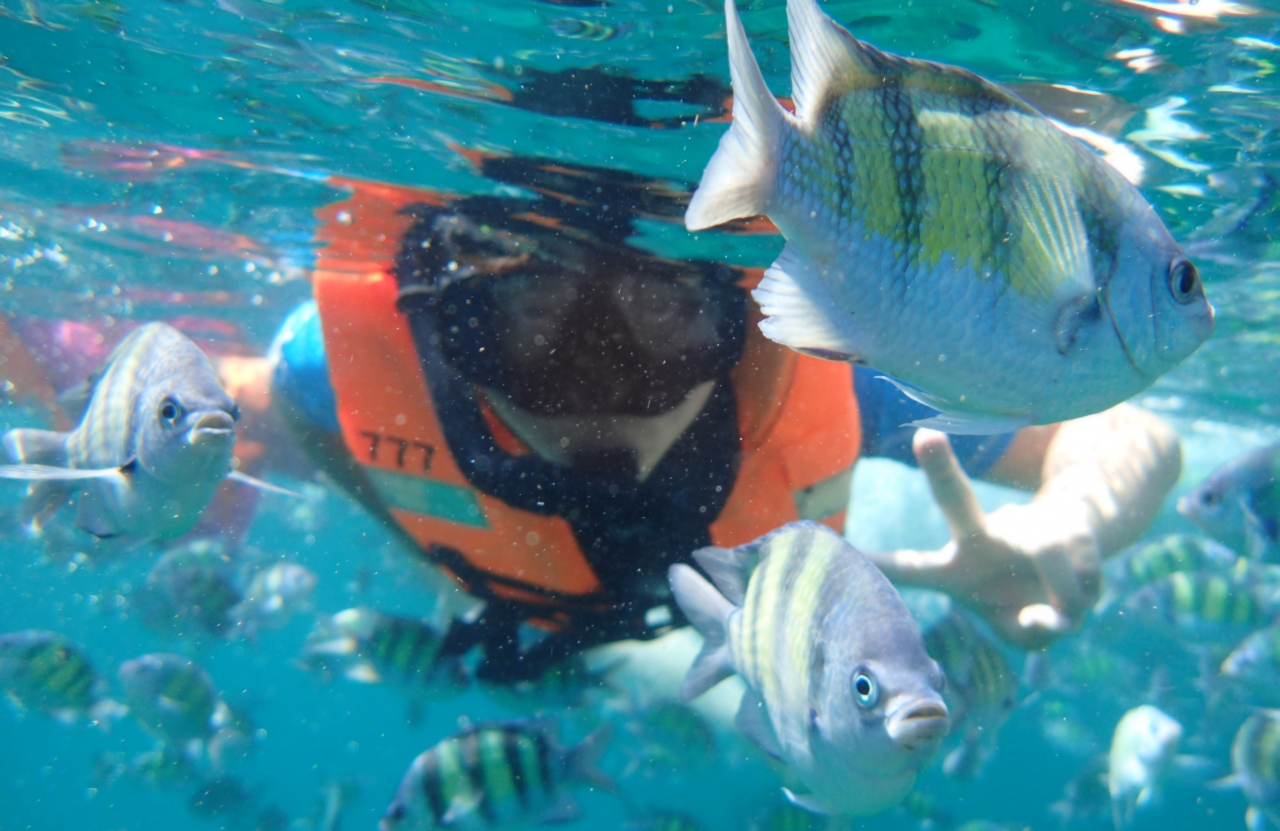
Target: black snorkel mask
[{"x": 563, "y": 324}]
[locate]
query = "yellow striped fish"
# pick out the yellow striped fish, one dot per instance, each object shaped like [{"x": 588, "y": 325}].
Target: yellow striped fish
[
  {"x": 982, "y": 689},
  {"x": 942, "y": 230},
  {"x": 153, "y": 445},
  {"x": 47, "y": 672},
  {"x": 1255, "y": 759},
  {"x": 839, "y": 685},
  {"x": 495, "y": 775}
]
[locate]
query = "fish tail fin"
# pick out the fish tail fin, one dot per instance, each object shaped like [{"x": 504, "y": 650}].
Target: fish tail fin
[
  {"x": 583, "y": 759},
  {"x": 39, "y": 447},
  {"x": 739, "y": 179},
  {"x": 709, "y": 611}
]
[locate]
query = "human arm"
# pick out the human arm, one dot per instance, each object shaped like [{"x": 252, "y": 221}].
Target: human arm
[{"x": 1033, "y": 571}]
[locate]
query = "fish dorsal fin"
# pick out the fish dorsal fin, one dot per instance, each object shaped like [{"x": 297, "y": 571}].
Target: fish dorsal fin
[
  {"x": 728, "y": 568},
  {"x": 825, "y": 58},
  {"x": 826, "y": 61}
]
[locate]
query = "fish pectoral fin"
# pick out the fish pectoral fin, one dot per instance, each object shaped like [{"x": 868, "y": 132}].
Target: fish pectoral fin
[
  {"x": 253, "y": 482},
  {"x": 36, "y": 447},
  {"x": 949, "y": 421},
  {"x": 363, "y": 672},
  {"x": 1053, "y": 260},
  {"x": 810, "y": 802},
  {"x": 739, "y": 179},
  {"x": 752, "y": 721},
  {"x": 459, "y": 807},
  {"x": 37, "y": 473},
  {"x": 798, "y": 309}
]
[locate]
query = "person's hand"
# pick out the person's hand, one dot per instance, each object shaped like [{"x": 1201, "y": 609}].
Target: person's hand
[{"x": 1032, "y": 571}]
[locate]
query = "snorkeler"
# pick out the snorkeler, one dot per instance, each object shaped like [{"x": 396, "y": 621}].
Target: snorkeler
[{"x": 555, "y": 416}]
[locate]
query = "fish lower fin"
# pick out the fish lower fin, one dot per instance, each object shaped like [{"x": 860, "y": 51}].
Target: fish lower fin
[
  {"x": 810, "y": 802},
  {"x": 45, "y": 473},
  {"x": 949, "y": 421},
  {"x": 709, "y": 612},
  {"x": 728, "y": 568},
  {"x": 92, "y": 517},
  {"x": 1258, "y": 540},
  {"x": 739, "y": 180},
  {"x": 752, "y": 721},
  {"x": 36, "y": 447},
  {"x": 798, "y": 309}
]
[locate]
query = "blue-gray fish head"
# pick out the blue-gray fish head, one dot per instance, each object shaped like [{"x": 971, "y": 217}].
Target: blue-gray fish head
[
  {"x": 1153, "y": 293},
  {"x": 885, "y": 704},
  {"x": 187, "y": 422}
]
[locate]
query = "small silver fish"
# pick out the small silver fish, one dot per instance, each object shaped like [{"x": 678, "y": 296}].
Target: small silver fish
[
  {"x": 1142, "y": 750},
  {"x": 154, "y": 443},
  {"x": 272, "y": 597},
  {"x": 942, "y": 230},
  {"x": 1239, "y": 504},
  {"x": 839, "y": 685}
]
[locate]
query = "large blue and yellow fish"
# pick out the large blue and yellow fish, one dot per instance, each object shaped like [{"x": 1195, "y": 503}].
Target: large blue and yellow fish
[{"x": 943, "y": 231}]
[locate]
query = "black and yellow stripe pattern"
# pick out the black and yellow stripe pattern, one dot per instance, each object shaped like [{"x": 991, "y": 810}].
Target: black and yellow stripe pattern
[
  {"x": 45, "y": 671},
  {"x": 499, "y": 773}
]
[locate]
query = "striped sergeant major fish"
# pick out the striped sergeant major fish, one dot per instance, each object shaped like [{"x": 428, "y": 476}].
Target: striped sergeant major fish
[
  {"x": 839, "y": 686},
  {"x": 45, "y": 671},
  {"x": 371, "y": 647},
  {"x": 1210, "y": 604},
  {"x": 942, "y": 230},
  {"x": 1173, "y": 553},
  {"x": 495, "y": 775},
  {"x": 981, "y": 691},
  {"x": 1142, "y": 751},
  {"x": 1255, "y": 762},
  {"x": 173, "y": 699},
  {"x": 153, "y": 445}
]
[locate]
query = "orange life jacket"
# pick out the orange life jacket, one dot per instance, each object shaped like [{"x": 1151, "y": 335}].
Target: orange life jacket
[{"x": 797, "y": 418}]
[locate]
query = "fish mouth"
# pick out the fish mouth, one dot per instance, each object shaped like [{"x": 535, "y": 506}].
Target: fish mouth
[
  {"x": 919, "y": 725},
  {"x": 213, "y": 425}
]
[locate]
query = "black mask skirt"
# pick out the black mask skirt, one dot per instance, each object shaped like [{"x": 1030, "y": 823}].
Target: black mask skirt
[{"x": 568, "y": 326}]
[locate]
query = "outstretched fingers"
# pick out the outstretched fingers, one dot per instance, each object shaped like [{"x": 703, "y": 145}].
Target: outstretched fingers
[{"x": 950, "y": 485}]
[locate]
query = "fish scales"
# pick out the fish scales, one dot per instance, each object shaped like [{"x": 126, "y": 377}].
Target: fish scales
[
  {"x": 840, "y": 687},
  {"x": 942, "y": 230}
]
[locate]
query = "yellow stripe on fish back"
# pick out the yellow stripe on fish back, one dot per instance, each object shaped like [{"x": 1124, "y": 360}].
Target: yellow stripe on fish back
[{"x": 801, "y": 606}]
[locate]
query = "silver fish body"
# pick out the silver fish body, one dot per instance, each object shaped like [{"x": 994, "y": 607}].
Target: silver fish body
[
  {"x": 1239, "y": 504},
  {"x": 153, "y": 445},
  {"x": 1142, "y": 749},
  {"x": 943, "y": 231},
  {"x": 839, "y": 684}
]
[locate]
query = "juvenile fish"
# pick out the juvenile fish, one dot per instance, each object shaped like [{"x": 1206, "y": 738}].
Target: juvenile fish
[
  {"x": 942, "y": 230},
  {"x": 496, "y": 775},
  {"x": 839, "y": 685},
  {"x": 1239, "y": 504},
  {"x": 1142, "y": 749},
  {"x": 153, "y": 446},
  {"x": 45, "y": 671}
]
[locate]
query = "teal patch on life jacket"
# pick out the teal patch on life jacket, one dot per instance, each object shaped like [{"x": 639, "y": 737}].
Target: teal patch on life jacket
[{"x": 417, "y": 495}]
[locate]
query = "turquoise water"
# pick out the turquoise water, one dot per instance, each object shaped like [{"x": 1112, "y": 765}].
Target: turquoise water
[{"x": 166, "y": 159}]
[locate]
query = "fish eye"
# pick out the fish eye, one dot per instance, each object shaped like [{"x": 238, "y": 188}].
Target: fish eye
[
  {"x": 865, "y": 688},
  {"x": 235, "y": 412},
  {"x": 1184, "y": 281},
  {"x": 170, "y": 411},
  {"x": 1210, "y": 498}
]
